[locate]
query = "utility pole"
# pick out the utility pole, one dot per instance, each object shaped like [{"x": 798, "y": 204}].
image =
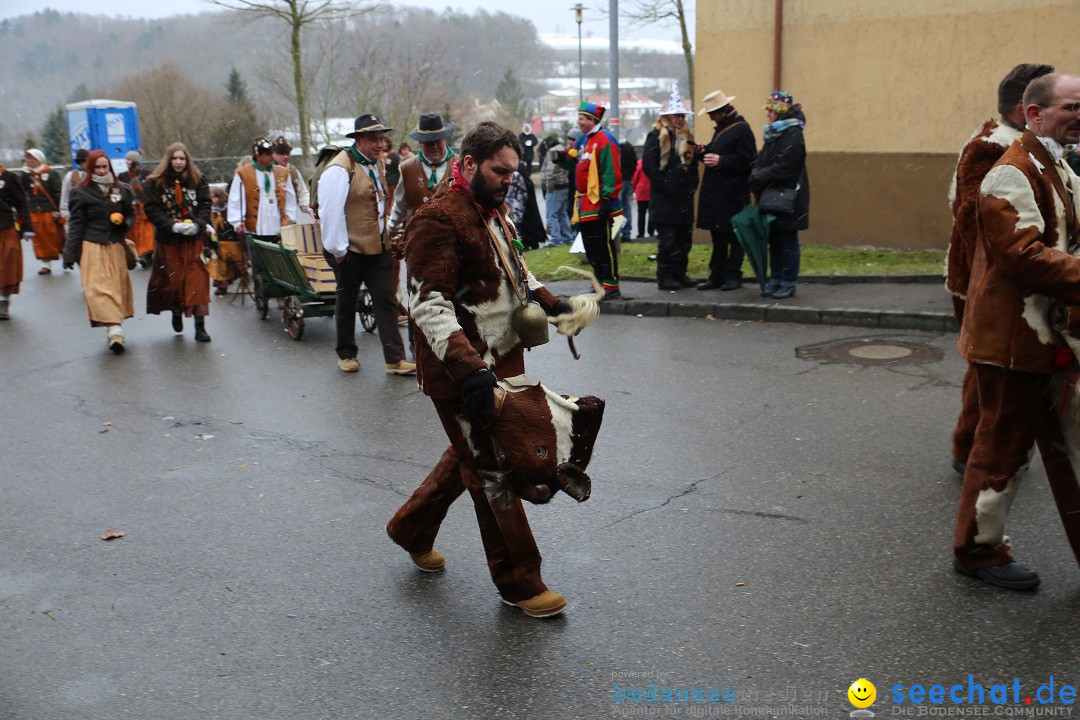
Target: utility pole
[
  {"x": 613, "y": 66},
  {"x": 580, "y": 85}
]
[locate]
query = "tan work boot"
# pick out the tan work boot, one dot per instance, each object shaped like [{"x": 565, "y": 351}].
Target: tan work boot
[
  {"x": 546, "y": 604},
  {"x": 401, "y": 367},
  {"x": 348, "y": 365},
  {"x": 431, "y": 561}
]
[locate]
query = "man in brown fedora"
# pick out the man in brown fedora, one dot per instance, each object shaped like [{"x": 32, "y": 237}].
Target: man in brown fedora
[{"x": 354, "y": 210}]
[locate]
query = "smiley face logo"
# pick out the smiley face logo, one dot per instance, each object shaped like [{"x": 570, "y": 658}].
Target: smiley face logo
[{"x": 862, "y": 693}]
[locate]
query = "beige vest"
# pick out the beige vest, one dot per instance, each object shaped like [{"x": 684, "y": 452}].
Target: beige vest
[
  {"x": 362, "y": 206},
  {"x": 416, "y": 183},
  {"x": 251, "y": 194}
]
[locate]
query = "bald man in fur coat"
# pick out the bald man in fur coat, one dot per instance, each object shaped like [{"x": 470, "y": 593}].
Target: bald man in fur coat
[
  {"x": 982, "y": 150},
  {"x": 1021, "y": 306}
]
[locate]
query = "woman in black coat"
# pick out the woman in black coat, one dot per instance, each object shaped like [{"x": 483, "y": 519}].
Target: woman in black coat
[
  {"x": 102, "y": 213},
  {"x": 782, "y": 164},
  {"x": 725, "y": 188}
]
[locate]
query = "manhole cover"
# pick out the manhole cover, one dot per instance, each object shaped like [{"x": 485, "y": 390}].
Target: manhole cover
[{"x": 872, "y": 350}]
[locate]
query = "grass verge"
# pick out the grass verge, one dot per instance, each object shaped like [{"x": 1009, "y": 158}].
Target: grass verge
[{"x": 816, "y": 260}]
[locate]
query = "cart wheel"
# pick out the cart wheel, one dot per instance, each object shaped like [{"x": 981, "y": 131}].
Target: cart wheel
[
  {"x": 366, "y": 308},
  {"x": 294, "y": 318},
  {"x": 262, "y": 302}
]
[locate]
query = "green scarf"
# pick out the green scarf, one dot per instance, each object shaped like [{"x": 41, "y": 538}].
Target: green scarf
[
  {"x": 267, "y": 172},
  {"x": 434, "y": 166}
]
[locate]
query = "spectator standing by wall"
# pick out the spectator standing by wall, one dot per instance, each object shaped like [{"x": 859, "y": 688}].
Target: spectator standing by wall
[
  {"x": 781, "y": 164},
  {"x": 725, "y": 188},
  {"x": 670, "y": 161}
]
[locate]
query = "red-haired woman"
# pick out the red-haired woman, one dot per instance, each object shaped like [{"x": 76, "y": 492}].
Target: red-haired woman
[
  {"x": 102, "y": 212},
  {"x": 42, "y": 187},
  {"x": 177, "y": 201}
]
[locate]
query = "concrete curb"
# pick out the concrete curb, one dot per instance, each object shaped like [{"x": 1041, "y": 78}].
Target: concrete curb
[{"x": 775, "y": 312}]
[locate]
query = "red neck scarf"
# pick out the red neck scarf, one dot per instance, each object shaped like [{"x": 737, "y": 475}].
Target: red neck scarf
[{"x": 461, "y": 185}]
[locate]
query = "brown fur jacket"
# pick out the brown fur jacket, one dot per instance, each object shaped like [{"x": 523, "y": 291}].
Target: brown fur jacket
[
  {"x": 1021, "y": 263},
  {"x": 979, "y": 154},
  {"x": 462, "y": 302}
]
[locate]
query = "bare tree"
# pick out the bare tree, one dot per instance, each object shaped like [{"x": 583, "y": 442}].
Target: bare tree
[
  {"x": 646, "y": 12},
  {"x": 298, "y": 14}
]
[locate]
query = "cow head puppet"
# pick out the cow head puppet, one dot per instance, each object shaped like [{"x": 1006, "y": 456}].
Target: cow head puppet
[{"x": 537, "y": 444}]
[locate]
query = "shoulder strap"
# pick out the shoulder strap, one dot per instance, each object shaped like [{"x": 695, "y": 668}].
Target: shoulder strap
[{"x": 37, "y": 181}]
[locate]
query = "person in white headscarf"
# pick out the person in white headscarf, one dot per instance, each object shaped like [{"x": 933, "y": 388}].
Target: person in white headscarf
[{"x": 41, "y": 184}]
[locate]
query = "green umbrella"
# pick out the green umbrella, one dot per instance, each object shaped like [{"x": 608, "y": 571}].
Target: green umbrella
[{"x": 752, "y": 230}]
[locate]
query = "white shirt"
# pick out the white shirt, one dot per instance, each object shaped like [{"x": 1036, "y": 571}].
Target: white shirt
[
  {"x": 65, "y": 192},
  {"x": 268, "y": 221},
  {"x": 333, "y": 192},
  {"x": 402, "y": 210}
]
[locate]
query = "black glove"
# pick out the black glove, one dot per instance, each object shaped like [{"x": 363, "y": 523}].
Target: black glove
[
  {"x": 478, "y": 394},
  {"x": 561, "y": 307}
]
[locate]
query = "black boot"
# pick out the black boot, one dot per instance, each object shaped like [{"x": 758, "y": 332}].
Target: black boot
[
  {"x": 177, "y": 321},
  {"x": 200, "y": 331}
]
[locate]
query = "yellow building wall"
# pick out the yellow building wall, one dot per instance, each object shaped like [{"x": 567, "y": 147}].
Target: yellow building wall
[{"x": 891, "y": 90}]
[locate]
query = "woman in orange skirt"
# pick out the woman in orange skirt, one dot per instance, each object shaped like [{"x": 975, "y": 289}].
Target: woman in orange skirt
[
  {"x": 142, "y": 233},
  {"x": 178, "y": 204},
  {"x": 14, "y": 216},
  {"x": 102, "y": 212},
  {"x": 42, "y": 187}
]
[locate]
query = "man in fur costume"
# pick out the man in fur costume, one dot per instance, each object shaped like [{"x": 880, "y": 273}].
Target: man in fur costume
[
  {"x": 476, "y": 307},
  {"x": 670, "y": 162},
  {"x": 982, "y": 150},
  {"x": 598, "y": 182},
  {"x": 1026, "y": 225}
]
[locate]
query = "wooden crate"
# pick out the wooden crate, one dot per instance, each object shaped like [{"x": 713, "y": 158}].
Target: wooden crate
[{"x": 305, "y": 239}]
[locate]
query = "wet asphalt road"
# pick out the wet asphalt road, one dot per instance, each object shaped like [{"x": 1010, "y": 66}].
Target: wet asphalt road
[{"x": 759, "y": 522}]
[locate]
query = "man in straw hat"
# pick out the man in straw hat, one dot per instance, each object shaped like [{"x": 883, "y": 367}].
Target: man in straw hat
[
  {"x": 724, "y": 188},
  {"x": 598, "y": 182},
  {"x": 670, "y": 162},
  {"x": 354, "y": 210}
]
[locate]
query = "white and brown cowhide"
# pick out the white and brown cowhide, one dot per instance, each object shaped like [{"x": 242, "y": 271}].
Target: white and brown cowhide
[{"x": 538, "y": 443}]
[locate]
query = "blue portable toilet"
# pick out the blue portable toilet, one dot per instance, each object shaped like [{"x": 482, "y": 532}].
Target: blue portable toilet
[{"x": 108, "y": 125}]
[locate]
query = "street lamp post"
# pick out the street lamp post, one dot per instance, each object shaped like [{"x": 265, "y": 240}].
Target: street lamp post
[{"x": 580, "y": 85}]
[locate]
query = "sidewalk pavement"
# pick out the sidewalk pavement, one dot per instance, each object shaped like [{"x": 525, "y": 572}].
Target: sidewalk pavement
[{"x": 916, "y": 302}]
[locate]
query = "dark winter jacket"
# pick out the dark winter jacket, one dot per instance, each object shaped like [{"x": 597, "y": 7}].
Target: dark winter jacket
[
  {"x": 725, "y": 188},
  {"x": 13, "y": 203},
  {"x": 44, "y": 198},
  {"x": 627, "y": 160},
  {"x": 90, "y": 221},
  {"x": 673, "y": 186},
  {"x": 782, "y": 162},
  {"x": 162, "y": 209}
]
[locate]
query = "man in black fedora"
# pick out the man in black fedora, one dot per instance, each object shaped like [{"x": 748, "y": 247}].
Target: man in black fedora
[
  {"x": 423, "y": 172},
  {"x": 354, "y": 210}
]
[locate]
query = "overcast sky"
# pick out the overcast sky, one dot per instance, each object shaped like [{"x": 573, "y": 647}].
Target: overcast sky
[{"x": 549, "y": 16}]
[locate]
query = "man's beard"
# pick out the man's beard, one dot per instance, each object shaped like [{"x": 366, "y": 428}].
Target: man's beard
[{"x": 488, "y": 196}]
